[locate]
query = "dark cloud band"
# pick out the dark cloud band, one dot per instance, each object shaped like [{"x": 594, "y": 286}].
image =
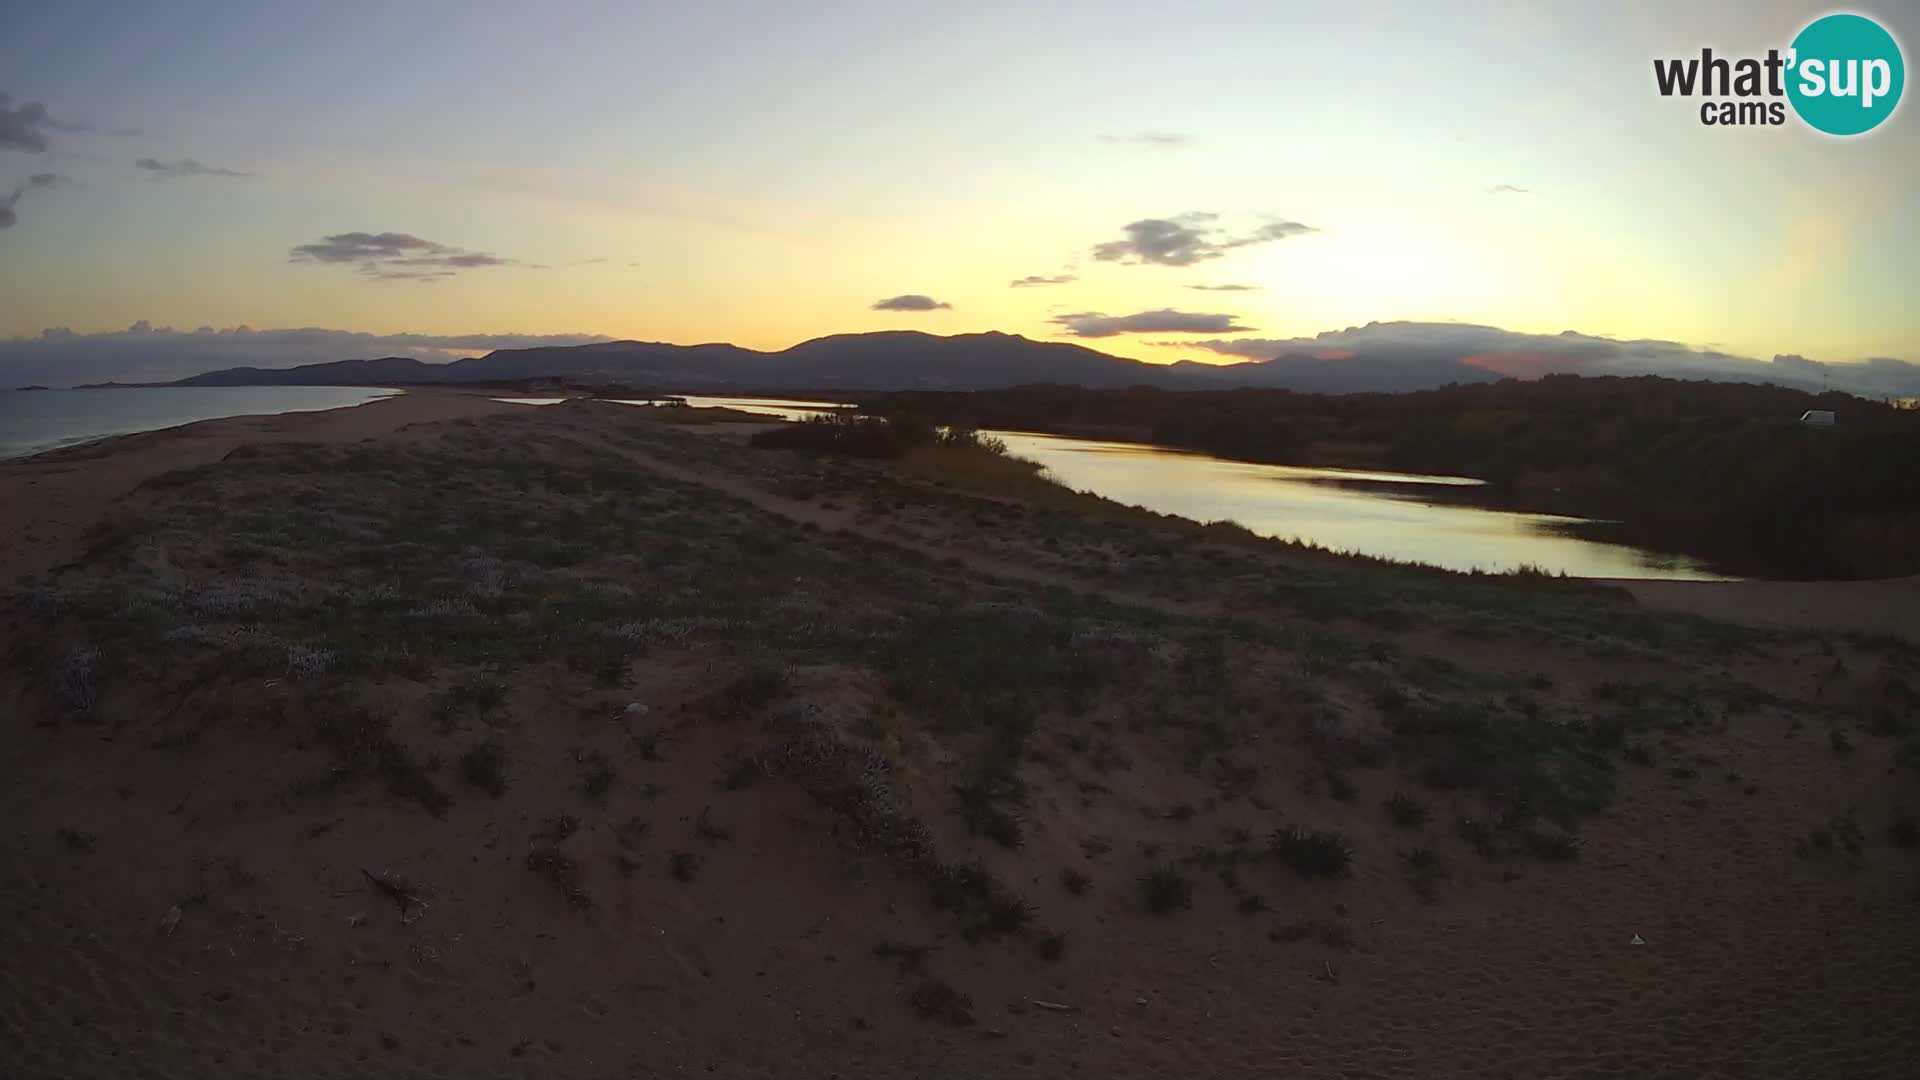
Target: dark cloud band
[
  {"x": 911, "y": 302},
  {"x": 1188, "y": 239},
  {"x": 26, "y": 127},
  {"x": 394, "y": 256},
  {"x": 1098, "y": 324},
  {"x": 183, "y": 167}
]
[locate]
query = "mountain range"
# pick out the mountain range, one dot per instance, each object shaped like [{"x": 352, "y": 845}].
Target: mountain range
[
  {"x": 889, "y": 360},
  {"x": 1376, "y": 358}
]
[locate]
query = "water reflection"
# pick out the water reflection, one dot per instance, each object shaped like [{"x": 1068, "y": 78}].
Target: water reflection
[
  {"x": 1389, "y": 515},
  {"x": 1404, "y": 516}
]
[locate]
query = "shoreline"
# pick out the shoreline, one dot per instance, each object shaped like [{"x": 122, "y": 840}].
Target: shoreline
[
  {"x": 80, "y": 441},
  {"x": 58, "y": 496}
]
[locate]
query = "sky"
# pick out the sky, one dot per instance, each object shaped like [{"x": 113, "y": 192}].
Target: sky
[{"x": 1162, "y": 181}]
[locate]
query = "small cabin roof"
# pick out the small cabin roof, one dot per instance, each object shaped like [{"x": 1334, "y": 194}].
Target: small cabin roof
[{"x": 1817, "y": 416}]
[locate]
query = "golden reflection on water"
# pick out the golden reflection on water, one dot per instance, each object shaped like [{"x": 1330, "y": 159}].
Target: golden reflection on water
[{"x": 1409, "y": 517}]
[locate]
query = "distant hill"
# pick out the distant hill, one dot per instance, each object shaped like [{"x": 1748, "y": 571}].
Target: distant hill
[
  {"x": 893, "y": 360},
  {"x": 338, "y": 373}
]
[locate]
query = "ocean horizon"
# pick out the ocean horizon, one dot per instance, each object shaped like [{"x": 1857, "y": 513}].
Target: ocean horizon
[{"x": 36, "y": 421}]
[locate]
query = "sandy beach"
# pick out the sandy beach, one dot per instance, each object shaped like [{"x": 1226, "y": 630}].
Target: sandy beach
[
  {"x": 53, "y": 499},
  {"x": 1868, "y": 607},
  {"x": 441, "y": 736}
]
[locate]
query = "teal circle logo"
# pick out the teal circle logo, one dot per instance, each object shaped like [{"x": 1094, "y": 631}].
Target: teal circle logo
[{"x": 1845, "y": 74}]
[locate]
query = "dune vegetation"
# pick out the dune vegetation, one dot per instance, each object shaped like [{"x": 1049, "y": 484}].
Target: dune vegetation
[{"x": 581, "y": 740}]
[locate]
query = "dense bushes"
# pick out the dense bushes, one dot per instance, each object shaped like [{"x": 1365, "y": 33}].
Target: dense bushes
[{"x": 871, "y": 436}]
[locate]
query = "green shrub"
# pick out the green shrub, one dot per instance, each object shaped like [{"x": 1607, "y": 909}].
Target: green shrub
[
  {"x": 1332, "y": 935},
  {"x": 848, "y": 435},
  {"x": 1006, "y": 914},
  {"x": 1165, "y": 889},
  {"x": 598, "y": 781},
  {"x": 1407, "y": 811},
  {"x": 910, "y": 956},
  {"x": 936, "y": 999},
  {"x": 684, "y": 865},
  {"x": 485, "y": 767},
  {"x": 1553, "y": 844},
  {"x": 1320, "y": 853}
]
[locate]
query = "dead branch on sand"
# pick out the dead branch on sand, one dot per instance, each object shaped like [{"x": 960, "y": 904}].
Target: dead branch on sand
[{"x": 401, "y": 892}]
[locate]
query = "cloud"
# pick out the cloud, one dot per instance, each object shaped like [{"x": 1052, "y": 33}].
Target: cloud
[
  {"x": 911, "y": 302},
  {"x": 1149, "y": 138},
  {"x": 359, "y": 247},
  {"x": 26, "y": 127},
  {"x": 410, "y": 275},
  {"x": 1187, "y": 239},
  {"x": 1414, "y": 355},
  {"x": 34, "y": 182},
  {"x": 71, "y": 127},
  {"x": 1226, "y": 288},
  {"x": 146, "y": 353},
  {"x": 1098, "y": 324},
  {"x": 183, "y": 167},
  {"x": 1507, "y": 189},
  {"x": 391, "y": 256},
  {"x": 1042, "y": 279}
]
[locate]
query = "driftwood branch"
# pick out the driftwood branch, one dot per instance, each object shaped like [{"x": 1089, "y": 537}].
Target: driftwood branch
[{"x": 401, "y": 893}]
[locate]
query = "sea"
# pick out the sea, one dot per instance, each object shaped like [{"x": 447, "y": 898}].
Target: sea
[{"x": 34, "y": 421}]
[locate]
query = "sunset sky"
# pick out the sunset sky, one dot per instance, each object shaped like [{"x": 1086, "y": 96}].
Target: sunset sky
[{"x": 763, "y": 173}]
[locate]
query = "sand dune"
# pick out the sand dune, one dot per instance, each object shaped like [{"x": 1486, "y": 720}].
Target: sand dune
[
  {"x": 53, "y": 499},
  {"x": 1868, "y": 607},
  {"x": 679, "y": 758}
]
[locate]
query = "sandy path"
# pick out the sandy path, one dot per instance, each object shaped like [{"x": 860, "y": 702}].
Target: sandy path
[
  {"x": 850, "y": 521},
  {"x": 1874, "y": 607},
  {"x": 49, "y": 501}
]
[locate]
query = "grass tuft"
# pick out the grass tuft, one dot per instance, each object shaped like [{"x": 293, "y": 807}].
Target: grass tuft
[
  {"x": 936, "y": 999},
  {"x": 1407, "y": 811},
  {"x": 1005, "y": 914},
  {"x": 1331, "y": 934},
  {"x": 1165, "y": 890},
  {"x": 1554, "y": 845},
  {"x": 684, "y": 865},
  {"x": 1319, "y": 853},
  {"x": 485, "y": 767}
]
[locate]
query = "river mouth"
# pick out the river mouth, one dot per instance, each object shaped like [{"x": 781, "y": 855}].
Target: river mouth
[{"x": 1443, "y": 521}]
